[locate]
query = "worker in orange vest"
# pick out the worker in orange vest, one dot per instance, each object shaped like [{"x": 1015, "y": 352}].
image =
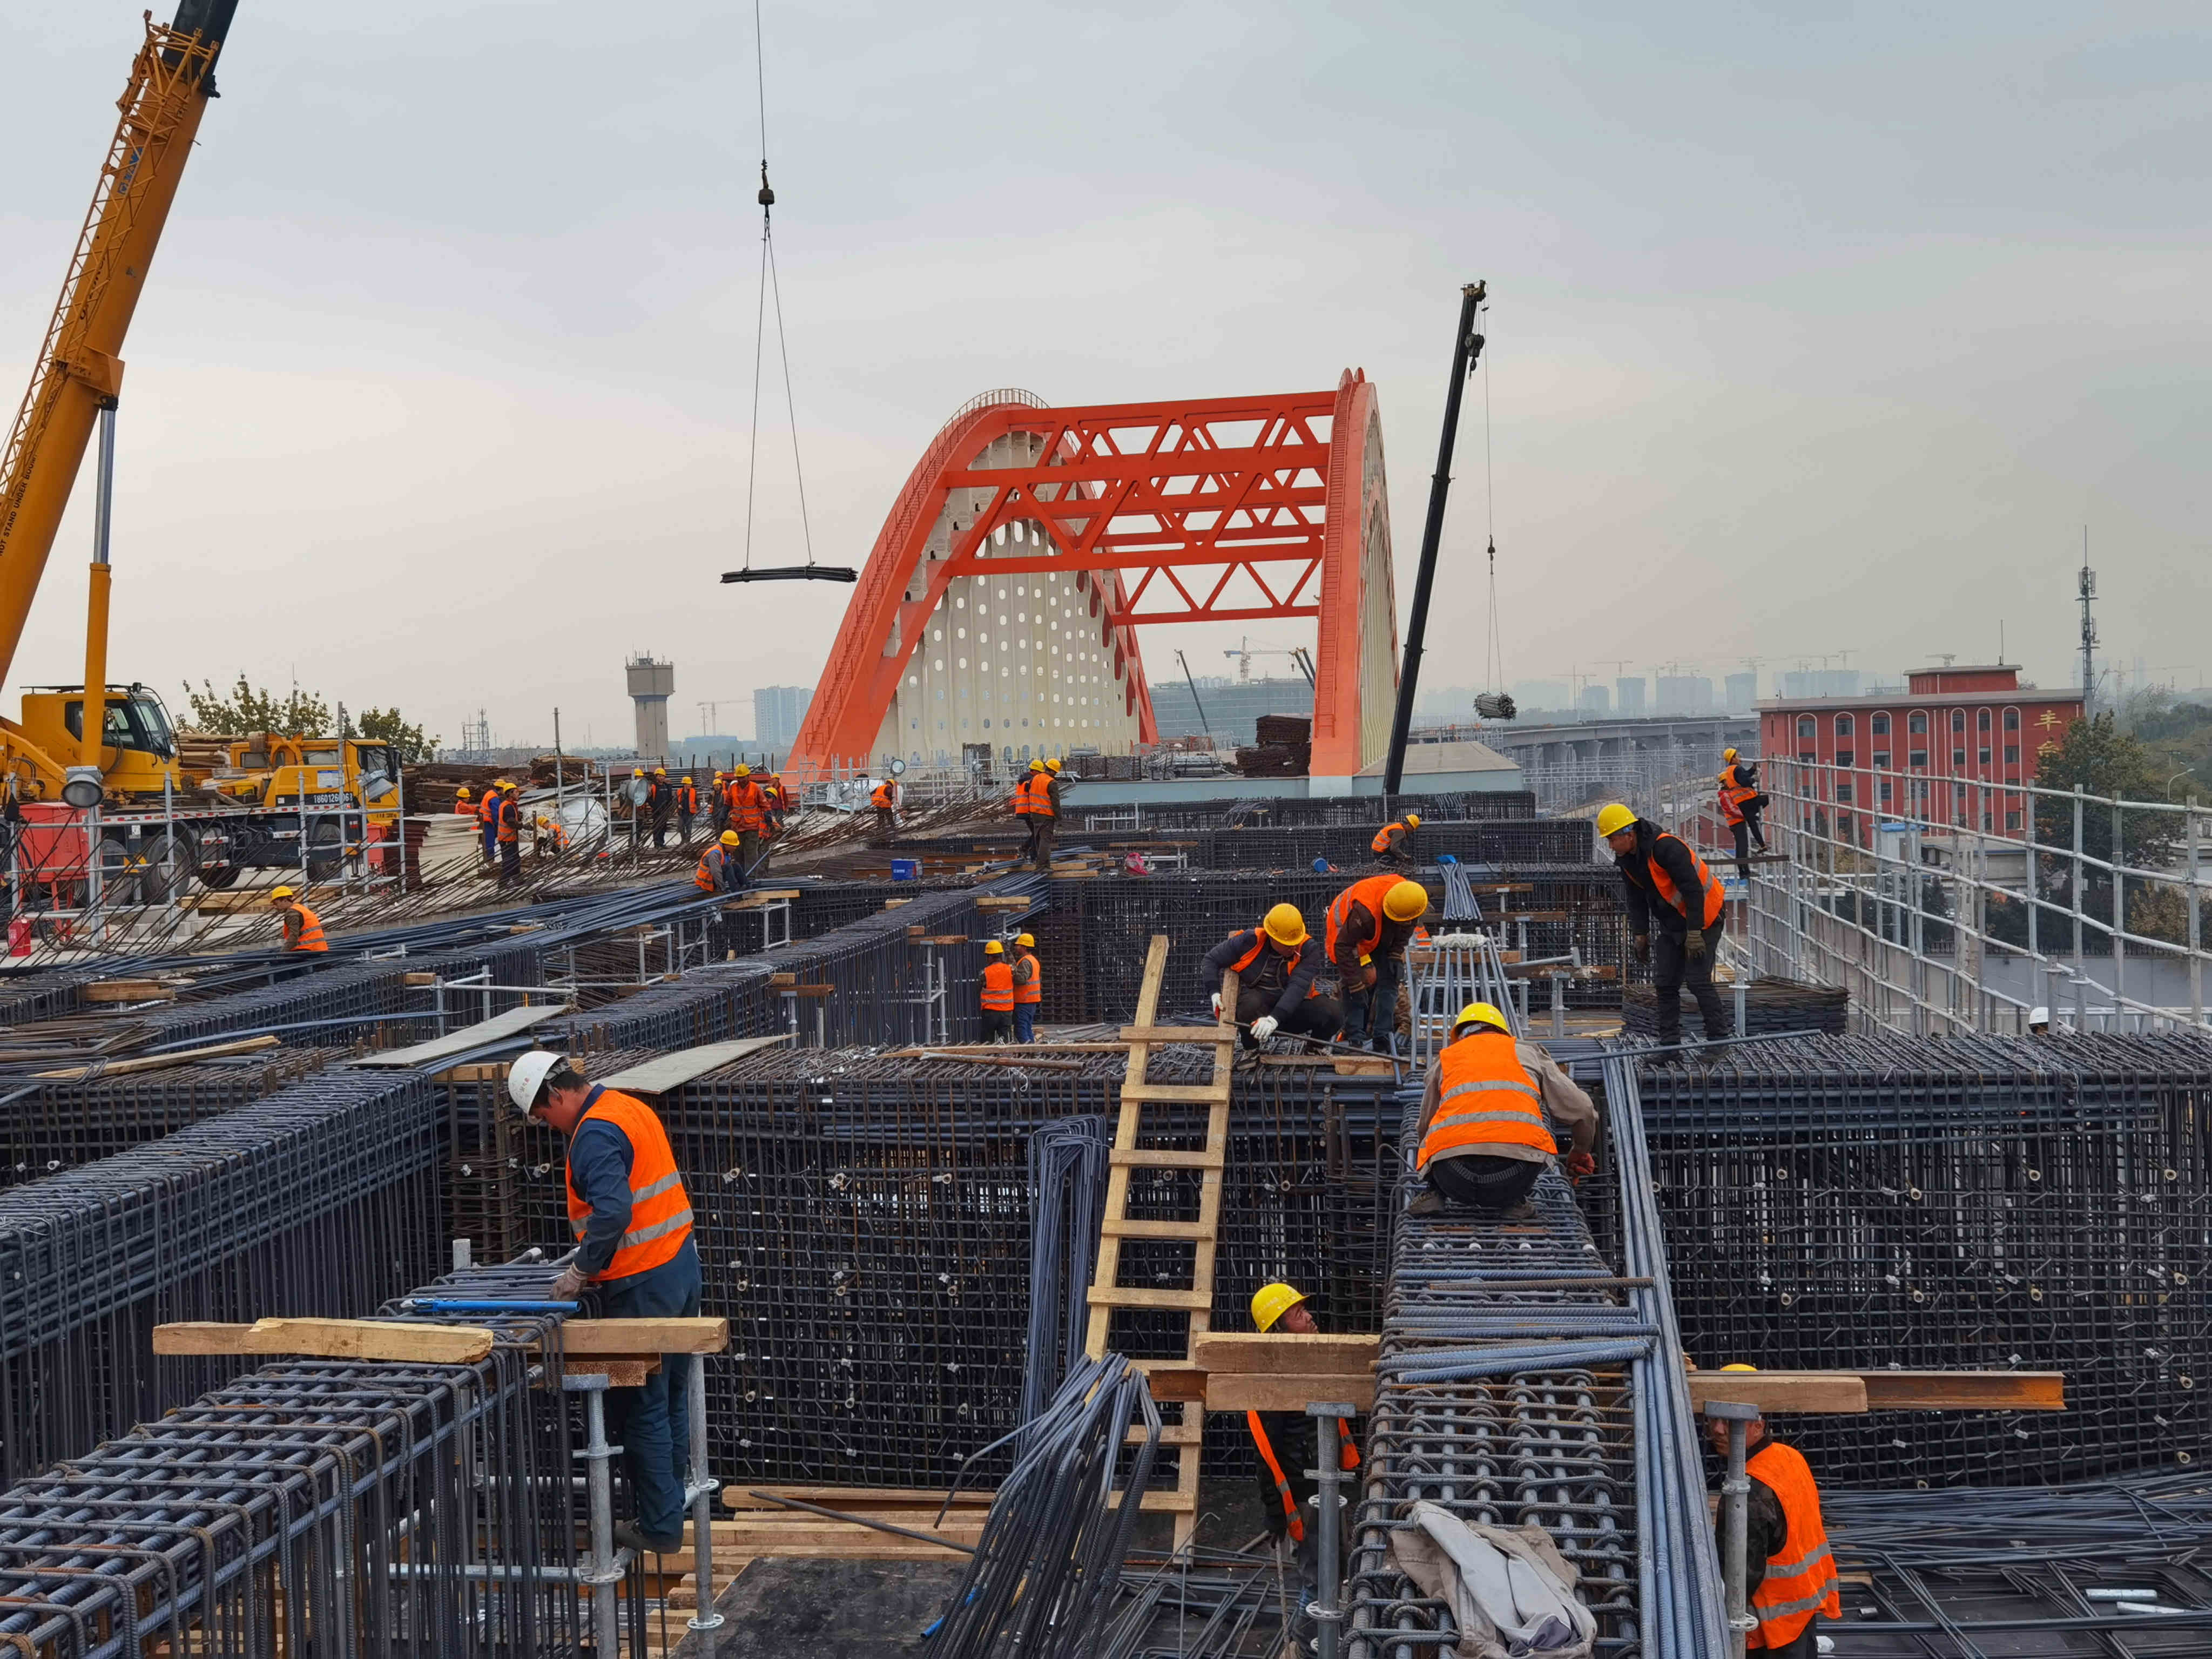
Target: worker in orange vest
[
  {"x": 510, "y": 838},
  {"x": 632, "y": 1221},
  {"x": 461, "y": 801},
  {"x": 1741, "y": 805},
  {"x": 1671, "y": 894},
  {"x": 1370, "y": 923},
  {"x": 779, "y": 806},
  {"x": 303, "y": 928},
  {"x": 749, "y": 818},
  {"x": 661, "y": 804},
  {"x": 885, "y": 798},
  {"x": 1284, "y": 1442},
  {"x": 488, "y": 820},
  {"x": 1483, "y": 1135},
  {"x": 998, "y": 993},
  {"x": 718, "y": 802},
  {"x": 1392, "y": 842},
  {"x": 718, "y": 871},
  {"x": 1276, "y": 963},
  {"x": 1029, "y": 988},
  {"x": 687, "y": 807},
  {"x": 1790, "y": 1575},
  {"x": 1024, "y": 812}
]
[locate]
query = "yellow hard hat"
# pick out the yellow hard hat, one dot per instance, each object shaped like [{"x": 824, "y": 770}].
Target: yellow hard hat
[
  {"x": 1286, "y": 926},
  {"x": 720, "y": 774},
  {"x": 507, "y": 783},
  {"x": 637, "y": 771},
  {"x": 1480, "y": 1012},
  {"x": 1739, "y": 1366},
  {"x": 743, "y": 771},
  {"x": 1728, "y": 754},
  {"x": 993, "y": 948},
  {"x": 1612, "y": 820},
  {"x": 1412, "y": 820},
  {"x": 1027, "y": 941},
  {"x": 660, "y": 771},
  {"x": 275, "y": 893},
  {"x": 1036, "y": 766},
  {"x": 463, "y": 791},
  {"x": 1053, "y": 765},
  {"x": 1271, "y": 1302},
  {"x": 1407, "y": 902},
  {"x": 731, "y": 838}
]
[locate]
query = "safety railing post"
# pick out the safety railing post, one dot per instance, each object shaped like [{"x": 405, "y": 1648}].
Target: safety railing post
[
  {"x": 2119, "y": 914},
  {"x": 2195, "y": 924},
  {"x": 605, "y": 1570},
  {"x": 2074, "y": 886},
  {"x": 1735, "y": 1494},
  {"x": 700, "y": 1488},
  {"x": 1327, "y": 1616}
]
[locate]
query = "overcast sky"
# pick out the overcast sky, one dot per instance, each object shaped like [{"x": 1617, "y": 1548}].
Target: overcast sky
[{"x": 1816, "y": 328}]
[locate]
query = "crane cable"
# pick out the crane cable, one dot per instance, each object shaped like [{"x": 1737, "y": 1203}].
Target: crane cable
[
  {"x": 768, "y": 285},
  {"x": 1494, "y": 661}
]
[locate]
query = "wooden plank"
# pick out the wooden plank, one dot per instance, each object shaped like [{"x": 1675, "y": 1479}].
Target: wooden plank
[
  {"x": 513, "y": 1023},
  {"x": 1121, "y": 1227},
  {"x": 1120, "y": 1296},
  {"x": 199, "y": 1336},
  {"x": 1972, "y": 1391},
  {"x": 1171, "y": 1434},
  {"x": 762, "y": 900},
  {"x": 1285, "y": 1352},
  {"x": 418, "y": 978},
  {"x": 620, "y": 1372},
  {"x": 854, "y": 1498},
  {"x": 1178, "y": 1034},
  {"x": 331, "y": 1338},
  {"x": 1143, "y": 1157},
  {"x": 632, "y": 1336},
  {"x": 681, "y": 1066},
  {"x": 972, "y": 1058},
  {"x": 1002, "y": 902},
  {"x": 1195, "y": 1094},
  {"x": 1832, "y": 1392},
  {"x": 127, "y": 990},
  {"x": 1287, "y": 1391},
  {"x": 162, "y": 1062},
  {"x": 618, "y": 1339}
]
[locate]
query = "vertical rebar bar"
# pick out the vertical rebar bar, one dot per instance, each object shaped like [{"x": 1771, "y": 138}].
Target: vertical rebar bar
[
  {"x": 703, "y": 1488},
  {"x": 1327, "y": 1616}
]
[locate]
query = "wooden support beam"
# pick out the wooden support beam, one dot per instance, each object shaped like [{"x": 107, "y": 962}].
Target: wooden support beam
[
  {"x": 128, "y": 990},
  {"x": 628, "y": 1336},
  {"x": 161, "y": 1062},
  {"x": 1285, "y": 1354},
  {"x": 1287, "y": 1391},
  {"x": 1178, "y": 1034},
  {"x": 1965, "y": 1391},
  {"x": 331, "y": 1338},
  {"x": 1834, "y": 1393},
  {"x": 621, "y": 1372}
]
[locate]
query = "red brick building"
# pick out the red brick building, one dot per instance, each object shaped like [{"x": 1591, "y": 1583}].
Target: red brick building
[{"x": 1941, "y": 751}]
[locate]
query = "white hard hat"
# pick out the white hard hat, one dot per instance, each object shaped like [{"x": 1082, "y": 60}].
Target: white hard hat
[
  {"x": 2039, "y": 1015},
  {"x": 527, "y": 1075}
]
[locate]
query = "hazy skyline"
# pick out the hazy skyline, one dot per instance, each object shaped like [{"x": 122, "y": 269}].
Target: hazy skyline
[{"x": 1811, "y": 333}]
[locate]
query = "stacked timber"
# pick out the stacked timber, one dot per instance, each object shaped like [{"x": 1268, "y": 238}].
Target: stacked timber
[{"x": 1283, "y": 747}]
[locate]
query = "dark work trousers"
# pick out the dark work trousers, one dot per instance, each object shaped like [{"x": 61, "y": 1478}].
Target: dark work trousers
[
  {"x": 886, "y": 819},
  {"x": 1752, "y": 809},
  {"x": 1043, "y": 829},
  {"x": 1671, "y": 965},
  {"x": 660, "y": 826},
  {"x": 1481, "y": 1182},
  {"x": 491, "y": 840},
  {"x": 721, "y": 811},
  {"x": 1025, "y": 1022},
  {"x": 683, "y": 827},
  {"x": 1372, "y": 1015},
  {"x": 510, "y": 863},
  {"x": 1741, "y": 831},
  {"x": 998, "y": 1024},
  {"x": 1806, "y": 1645},
  {"x": 1316, "y": 1016},
  {"x": 653, "y": 1425},
  {"x": 751, "y": 853}
]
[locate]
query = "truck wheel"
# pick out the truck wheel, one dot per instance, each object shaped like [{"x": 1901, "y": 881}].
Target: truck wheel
[
  {"x": 169, "y": 862},
  {"x": 324, "y": 840},
  {"x": 118, "y": 882},
  {"x": 215, "y": 877}
]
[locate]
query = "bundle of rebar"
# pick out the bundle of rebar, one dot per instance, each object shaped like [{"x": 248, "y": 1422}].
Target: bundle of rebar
[
  {"x": 1372, "y": 811},
  {"x": 1501, "y": 842},
  {"x": 320, "y": 1199}
]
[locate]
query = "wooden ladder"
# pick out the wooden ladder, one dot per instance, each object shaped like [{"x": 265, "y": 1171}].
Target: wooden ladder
[{"x": 1172, "y": 1379}]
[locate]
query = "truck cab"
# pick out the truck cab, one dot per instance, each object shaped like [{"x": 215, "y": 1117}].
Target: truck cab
[{"x": 138, "y": 745}]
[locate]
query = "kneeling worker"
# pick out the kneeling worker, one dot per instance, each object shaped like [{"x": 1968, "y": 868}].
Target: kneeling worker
[
  {"x": 1275, "y": 964},
  {"x": 1393, "y": 842},
  {"x": 632, "y": 1219},
  {"x": 1483, "y": 1136},
  {"x": 1284, "y": 1442},
  {"x": 1790, "y": 1575}
]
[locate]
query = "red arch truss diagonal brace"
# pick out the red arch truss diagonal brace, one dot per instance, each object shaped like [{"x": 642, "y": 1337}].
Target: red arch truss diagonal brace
[{"x": 1216, "y": 509}]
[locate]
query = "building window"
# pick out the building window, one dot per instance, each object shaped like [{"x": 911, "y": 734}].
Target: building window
[
  {"x": 2012, "y": 754},
  {"x": 1957, "y": 719},
  {"x": 1917, "y": 758},
  {"x": 1982, "y": 720},
  {"x": 1918, "y": 724},
  {"x": 2012, "y": 820},
  {"x": 1846, "y": 757},
  {"x": 2012, "y": 720},
  {"x": 1958, "y": 760},
  {"x": 1807, "y": 758},
  {"x": 1882, "y": 757},
  {"x": 1843, "y": 789},
  {"x": 1807, "y": 725},
  {"x": 1879, "y": 725},
  {"x": 1985, "y": 756},
  {"x": 1885, "y": 792},
  {"x": 1845, "y": 726}
]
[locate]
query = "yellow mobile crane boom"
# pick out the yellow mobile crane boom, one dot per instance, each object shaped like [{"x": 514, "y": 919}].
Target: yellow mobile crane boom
[{"x": 79, "y": 373}]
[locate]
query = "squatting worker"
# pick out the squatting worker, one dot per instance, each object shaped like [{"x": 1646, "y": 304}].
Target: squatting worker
[
  {"x": 1675, "y": 911},
  {"x": 718, "y": 865},
  {"x": 1393, "y": 842},
  {"x": 1790, "y": 1575},
  {"x": 1741, "y": 805},
  {"x": 1276, "y": 964},
  {"x": 1483, "y": 1135},
  {"x": 1370, "y": 923},
  {"x": 1029, "y": 988},
  {"x": 885, "y": 798},
  {"x": 303, "y": 928},
  {"x": 632, "y": 1219},
  {"x": 1284, "y": 1444},
  {"x": 997, "y": 993}
]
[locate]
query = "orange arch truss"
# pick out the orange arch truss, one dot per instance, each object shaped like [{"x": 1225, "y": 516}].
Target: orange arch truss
[{"x": 1029, "y": 543}]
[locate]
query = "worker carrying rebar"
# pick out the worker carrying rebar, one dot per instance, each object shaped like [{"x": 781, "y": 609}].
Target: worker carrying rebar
[
  {"x": 687, "y": 808},
  {"x": 1277, "y": 965},
  {"x": 510, "y": 837},
  {"x": 1284, "y": 1442},
  {"x": 461, "y": 805},
  {"x": 884, "y": 798},
  {"x": 1741, "y": 805},
  {"x": 1675, "y": 911},
  {"x": 303, "y": 928},
  {"x": 1045, "y": 787},
  {"x": 1029, "y": 988},
  {"x": 1393, "y": 842},
  {"x": 997, "y": 993},
  {"x": 749, "y": 818},
  {"x": 719, "y": 871},
  {"x": 488, "y": 820},
  {"x": 1370, "y": 923},
  {"x": 632, "y": 1220},
  {"x": 1483, "y": 1134},
  {"x": 1790, "y": 1577}
]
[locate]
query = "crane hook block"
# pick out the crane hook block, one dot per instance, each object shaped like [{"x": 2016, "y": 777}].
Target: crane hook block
[{"x": 767, "y": 196}]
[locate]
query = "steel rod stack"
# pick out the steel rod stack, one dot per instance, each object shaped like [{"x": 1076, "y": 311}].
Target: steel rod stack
[{"x": 1503, "y": 841}]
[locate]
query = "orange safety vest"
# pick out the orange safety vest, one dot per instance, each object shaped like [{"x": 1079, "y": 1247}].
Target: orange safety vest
[
  {"x": 881, "y": 797},
  {"x": 747, "y": 807},
  {"x": 509, "y": 819},
  {"x": 311, "y": 930},
  {"x": 708, "y": 878},
  {"x": 1347, "y": 1458},
  {"x": 1382, "y": 841},
  {"x": 488, "y": 808},
  {"x": 1733, "y": 795},
  {"x": 462, "y": 808},
  {"x": 1800, "y": 1576},
  {"x": 659, "y": 1208},
  {"x": 687, "y": 797},
  {"x": 1032, "y": 988},
  {"x": 1260, "y": 943},
  {"x": 1715, "y": 898},
  {"x": 1485, "y": 1097},
  {"x": 998, "y": 987},
  {"x": 1041, "y": 796},
  {"x": 1369, "y": 893},
  {"x": 1022, "y": 796}
]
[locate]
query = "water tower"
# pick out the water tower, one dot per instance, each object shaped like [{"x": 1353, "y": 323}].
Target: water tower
[{"x": 650, "y": 685}]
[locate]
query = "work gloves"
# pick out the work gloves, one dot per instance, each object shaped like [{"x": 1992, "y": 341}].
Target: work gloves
[
  {"x": 1217, "y": 1007},
  {"x": 1580, "y": 1164},
  {"x": 1643, "y": 947},
  {"x": 1693, "y": 942},
  {"x": 569, "y": 1287},
  {"x": 1264, "y": 1027}
]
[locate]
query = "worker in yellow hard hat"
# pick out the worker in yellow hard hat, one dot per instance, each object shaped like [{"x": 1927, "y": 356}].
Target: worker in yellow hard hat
[
  {"x": 1283, "y": 1450},
  {"x": 1276, "y": 965},
  {"x": 1370, "y": 923},
  {"x": 1029, "y": 988},
  {"x": 461, "y": 807},
  {"x": 1675, "y": 912},
  {"x": 719, "y": 871},
  {"x": 997, "y": 993},
  {"x": 1045, "y": 786},
  {"x": 1393, "y": 842},
  {"x": 1790, "y": 1578},
  {"x": 488, "y": 821},
  {"x": 1741, "y": 803},
  {"x": 1489, "y": 1111},
  {"x": 303, "y": 928}
]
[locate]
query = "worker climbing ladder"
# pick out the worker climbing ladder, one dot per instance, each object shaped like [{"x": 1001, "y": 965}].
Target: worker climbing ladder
[{"x": 1172, "y": 1377}]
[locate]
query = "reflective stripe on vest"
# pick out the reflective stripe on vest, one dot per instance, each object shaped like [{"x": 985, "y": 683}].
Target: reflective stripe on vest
[
  {"x": 880, "y": 796},
  {"x": 509, "y": 820},
  {"x": 1297, "y": 1527},
  {"x": 488, "y": 808},
  {"x": 1800, "y": 1576},
  {"x": 1290, "y": 963},
  {"x": 1382, "y": 841},
  {"x": 1032, "y": 988},
  {"x": 708, "y": 876},
  {"x": 747, "y": 807},
  {"x": 1486, "y": 1098},
  {"x": 1663, "y": 884},
  {"x": 311, "y": 930},
  {"x": 998, "y": 987},
  {"x": 1369, "y": 893},
  {"x": 1022, "y": 796},
  {"x": 659, "y": 1209}
]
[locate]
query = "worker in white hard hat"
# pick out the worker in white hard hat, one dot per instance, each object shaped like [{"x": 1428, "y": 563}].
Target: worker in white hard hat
[
  {"x": 2038, "y": 1022},
  {"x": 1486, "y": 1132},
  {"x": 1676, "y": 909},
  {"x": 632, "y": 1219}
]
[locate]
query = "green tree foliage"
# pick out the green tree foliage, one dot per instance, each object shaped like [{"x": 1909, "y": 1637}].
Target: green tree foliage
[
  {"x": 386, "y": 725},
  {"x": 2103, "y": 761},
  {"x": 247, "y": 707}
]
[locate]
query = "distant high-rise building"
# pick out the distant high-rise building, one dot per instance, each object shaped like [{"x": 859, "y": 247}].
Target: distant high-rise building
[
  {"x": 1595, "y": 700},
  {"x": 1629, "y": 695},
  {"x": 1685, "y": 694},
  {"x": 1822, "y": 683},
  {"x": 1742, "y": 692},
  {"x": 777, "y": 711}
]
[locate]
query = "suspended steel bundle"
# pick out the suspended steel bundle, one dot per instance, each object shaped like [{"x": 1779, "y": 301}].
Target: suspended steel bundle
[
  {"x": 1980, "y": 1203},
  {"x": 319, "y": 1199},
  {"x": 1502, "y": 841}
]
